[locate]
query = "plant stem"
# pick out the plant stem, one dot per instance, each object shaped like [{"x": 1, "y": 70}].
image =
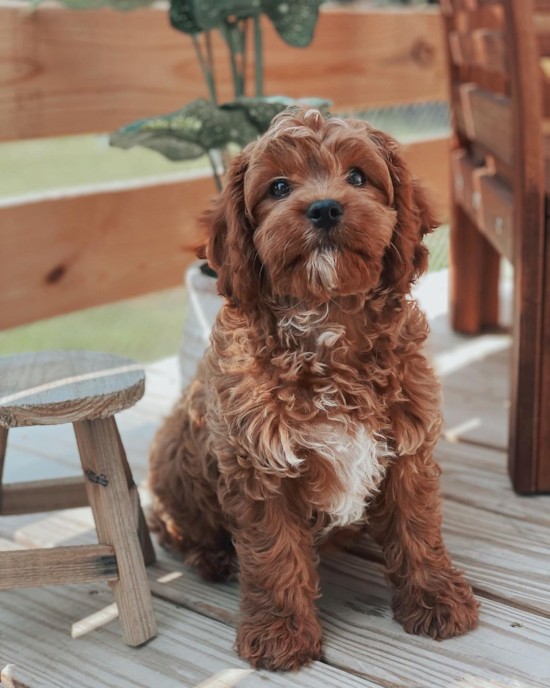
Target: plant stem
[
  {"x": 244, "y": 31},
  {"x": 230, "y": 31},
  {"x": 217, "y": 179},
  {"x": 207, "y": 73},
  {"x": 210, "y": 59},
  {"x": 258, "y": 56}
]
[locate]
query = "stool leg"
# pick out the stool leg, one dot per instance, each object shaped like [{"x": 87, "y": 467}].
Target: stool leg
[
  {"x": 141, "y": 524},
  {"x": 3, "y": 446},
  {"x": 115, "y": 517}
]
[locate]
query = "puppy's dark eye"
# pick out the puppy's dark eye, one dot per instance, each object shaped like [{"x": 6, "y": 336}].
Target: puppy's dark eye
[
  {"x": 356, "y": 177},
  {"x": 280, "y": 188}
]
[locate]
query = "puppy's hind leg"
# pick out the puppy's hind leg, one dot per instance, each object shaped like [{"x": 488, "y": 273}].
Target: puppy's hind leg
[{"x": 186, "y": 512}]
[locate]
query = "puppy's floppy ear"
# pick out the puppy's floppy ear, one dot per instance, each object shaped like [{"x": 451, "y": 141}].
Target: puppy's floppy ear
[
  {"x": 229, "y": 248},
  {"x": 406, "y": 258}
]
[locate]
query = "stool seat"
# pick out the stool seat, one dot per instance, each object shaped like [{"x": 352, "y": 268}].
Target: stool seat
[{"x": 52, "y": 387}]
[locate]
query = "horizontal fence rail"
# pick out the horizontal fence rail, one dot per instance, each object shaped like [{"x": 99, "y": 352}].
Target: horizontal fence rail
[
  {"x": 67, "y": 72},
  {"x": 72, "y": 72}
]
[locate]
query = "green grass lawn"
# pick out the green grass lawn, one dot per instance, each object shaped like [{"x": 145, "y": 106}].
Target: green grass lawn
[{"x": 145, "y": 329}]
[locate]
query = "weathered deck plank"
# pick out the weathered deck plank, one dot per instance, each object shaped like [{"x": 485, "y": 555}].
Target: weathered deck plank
[
  {"x": 501, "y": 540},
  {"x": 360, "y": 634},
  {"x": 478, "y": 476},
  {"x": 189, "y": 650}
]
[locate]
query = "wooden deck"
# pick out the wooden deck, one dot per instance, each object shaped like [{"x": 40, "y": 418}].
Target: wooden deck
[{"x": 67, "y": 636}]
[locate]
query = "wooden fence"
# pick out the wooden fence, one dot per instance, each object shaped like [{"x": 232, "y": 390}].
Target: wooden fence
[{"x": 73, "y": 72}]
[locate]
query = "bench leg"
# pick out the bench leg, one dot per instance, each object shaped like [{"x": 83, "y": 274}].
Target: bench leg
[
  {"x": 529, "y": 444},
  {"x": 474, "y": 274},
  {"x": 3, "y": 447},
  {"x": 115, "y": 518},
  {"x": 145, "y": 542}
]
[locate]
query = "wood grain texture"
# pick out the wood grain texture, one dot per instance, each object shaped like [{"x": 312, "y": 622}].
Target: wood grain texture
[
  {"x": 64, "y": 72},
  {"x": 57, "y": 566},
  {"x": 488, "y": 120},
  {"x": 429, "y": 162},
  {"x": 52, "y": 387},
  {"x": 361, "y": 636},
  {"x": 511, "y": 129},
  {"x": 482, "y": 48},
  {"x": 478, "y": 477},
  {"x": 487, "y": 199},
  {"x": 511, "y": 643},
  {"x": 497, "y": 212},
  {"x": 190, "y": 651},
  {"x": 473, "y": 275},
  {"x": 529, "y": 248},
  {"x": 39, "y": 496},
  {"x": 116, "y": 524},
  {"x": 543, "y": 467},
  {"x": 127, "y": 242}
]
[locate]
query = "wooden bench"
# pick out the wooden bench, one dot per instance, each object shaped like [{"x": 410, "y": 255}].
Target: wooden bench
[{"x": 500, "y": 101}]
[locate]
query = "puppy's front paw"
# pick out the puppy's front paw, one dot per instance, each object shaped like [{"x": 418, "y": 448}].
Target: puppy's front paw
[
  {"x": 279, "y": 643},
  {"x": 440, "y": 612}
]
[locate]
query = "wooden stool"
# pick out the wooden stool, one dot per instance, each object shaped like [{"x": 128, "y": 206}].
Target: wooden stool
[{"x": 85, "y": 389}]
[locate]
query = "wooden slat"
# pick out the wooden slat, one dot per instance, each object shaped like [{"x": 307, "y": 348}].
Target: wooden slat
[
  {"x": 116, "y": 524},
  {"x": 478, "y": 477},
  {"x": 542, "y": 30},
  {"x": 497, "y": 211},
  {"x": 483, "y": 48},
  {"x": 57, "y": 566},
  {"x": 487, "y": 15},
  {"x": 466, "y": 185},
  {"x": 42, "y": 495},
  {"x": 503, "y": 558},
  {"x": 488, "y": 120},
  {"x": 529, "y": 249},
  {"x": 192, "y": 650},
  {"x": 429, "y": 162},
  {"x": 360, "y": 634},
  {"x": 487, "y": 200},
  {"x": 65, "y": 72},
  {"x": 355, "y": 606},
  {"x": 475, "y": 263},
  {"x": 94, "y": 248}
]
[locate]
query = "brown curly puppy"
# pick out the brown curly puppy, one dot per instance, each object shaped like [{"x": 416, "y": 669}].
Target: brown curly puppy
[{"x": 314, "y": 405}]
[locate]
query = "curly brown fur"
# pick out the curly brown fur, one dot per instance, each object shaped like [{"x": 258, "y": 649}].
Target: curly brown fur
[{"x": 314, "y": 405}]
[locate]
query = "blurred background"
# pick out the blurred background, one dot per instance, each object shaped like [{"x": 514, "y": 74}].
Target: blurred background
[{"x": 72, "y": 194}]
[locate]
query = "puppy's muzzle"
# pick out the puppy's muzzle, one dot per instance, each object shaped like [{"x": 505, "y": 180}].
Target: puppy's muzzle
[{"x": 325, "y": 214}]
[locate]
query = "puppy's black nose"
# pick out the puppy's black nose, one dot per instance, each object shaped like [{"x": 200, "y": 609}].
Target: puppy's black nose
[{"x": 325, "y": 214}]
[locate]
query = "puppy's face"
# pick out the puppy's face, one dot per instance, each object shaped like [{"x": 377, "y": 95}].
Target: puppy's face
[
  {"x": 320, "y": 198},
  {"x": 317, "y": 209}
]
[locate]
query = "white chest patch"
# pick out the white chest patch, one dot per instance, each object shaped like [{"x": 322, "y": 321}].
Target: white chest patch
[{"x": 357, "y": 458}]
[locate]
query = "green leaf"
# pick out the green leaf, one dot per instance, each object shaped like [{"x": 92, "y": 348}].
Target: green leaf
[
  {"x": 182, "y": 16},
  {"x": 294, "y": 19},
  {"x": 193, "y": 16},
  {"x": 260, "y": 111},
  {"x": 200, "y": 126},
  {"x": 183, "y": 135},
  {"x": 187, "y": 133}
]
